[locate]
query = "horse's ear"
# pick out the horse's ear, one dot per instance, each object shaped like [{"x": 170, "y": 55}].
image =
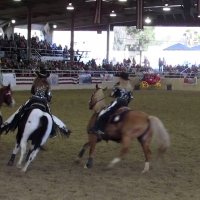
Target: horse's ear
[{"x": 105, "y": 89}]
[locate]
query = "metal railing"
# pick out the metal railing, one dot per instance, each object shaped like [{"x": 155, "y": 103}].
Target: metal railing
[{"x": 28, "y": 72}]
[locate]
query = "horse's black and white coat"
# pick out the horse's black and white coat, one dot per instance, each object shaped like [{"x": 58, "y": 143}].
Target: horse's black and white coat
[{"x": 35, "y": 125}]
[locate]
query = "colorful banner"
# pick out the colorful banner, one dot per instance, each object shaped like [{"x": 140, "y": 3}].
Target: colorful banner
[
  {"x": 81, "y": 79},
  {"x": 85, "y": 79},
  {"x": 8, "y": 79},
  {"x": 98, "y": 12},
  {"x": 53, "y": 79},
  {"x": 190, "y": 81},
  {"x": 109, "y": 78},
  {"x": 2, "y": 53},
  {"x": 139, "y": 14}
]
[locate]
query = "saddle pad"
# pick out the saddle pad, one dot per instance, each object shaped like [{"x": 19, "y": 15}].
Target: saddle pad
[{"x": 118, "y": 115}]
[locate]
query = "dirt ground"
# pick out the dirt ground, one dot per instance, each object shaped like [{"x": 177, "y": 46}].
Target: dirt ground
[{"x": 53, "y": 175}]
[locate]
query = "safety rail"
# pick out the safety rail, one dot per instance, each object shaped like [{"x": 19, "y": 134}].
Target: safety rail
[
  {"x": 28, "y": 72},
  {"x": 42, "y": 53}
]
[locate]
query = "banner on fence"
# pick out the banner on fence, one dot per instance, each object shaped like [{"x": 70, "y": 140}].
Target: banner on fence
[
  {"x": 109, "y": 78},
  {"x": 2, "y": 53},
  {"x": 53, "y": 79},
  {"x": 190, "y": 81},
  {"x": 68, "y": 80},
  {"x": 7, "y": 79},
  {"x": 85, "y": 78}
]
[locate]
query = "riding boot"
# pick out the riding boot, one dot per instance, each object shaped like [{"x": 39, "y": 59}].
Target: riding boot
[
  {"x": 53, "y": 133},
  {"x": 97, "y": 128}
]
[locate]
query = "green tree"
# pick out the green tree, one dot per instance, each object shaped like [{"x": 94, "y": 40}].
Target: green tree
[
  {"x": 191, "y": 37},
  {"x": 142, "y": 38},
  {"x": 119, "y": 39}
]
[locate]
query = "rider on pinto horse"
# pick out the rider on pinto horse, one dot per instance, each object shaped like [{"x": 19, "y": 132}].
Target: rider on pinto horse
[
  {"x": 41, "y": 95},
  {"x": 122, "y": 92}
]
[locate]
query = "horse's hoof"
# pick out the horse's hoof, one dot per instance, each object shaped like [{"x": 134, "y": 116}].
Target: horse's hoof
[
  {"x": 23, "y": 170},
  {"x": 10, "y": 163},
  {"x": 144, "y": 171},
  {"x": 19, "y": 166},
  {"x": 77, "y": 161},
  {"x": 87, "y": 166}
]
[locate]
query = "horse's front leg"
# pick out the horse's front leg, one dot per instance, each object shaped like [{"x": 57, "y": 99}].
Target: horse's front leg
[
  {"x": 92, "y": 143},
  {"x": 81, "y": 153},
  {"x": 12, "y": 158}
]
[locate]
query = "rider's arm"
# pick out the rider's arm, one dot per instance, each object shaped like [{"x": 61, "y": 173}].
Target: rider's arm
[
  {"x": 130, "y": 96},
  {"x": 32, "y": 90},
  {"x": 114, "y": 90},
  {"x": 48, "y": 95}
]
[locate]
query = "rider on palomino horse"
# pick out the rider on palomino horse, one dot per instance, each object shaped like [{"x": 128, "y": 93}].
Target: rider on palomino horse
[
  {"x": 122, "y": 92},
  {"x": 41, "y": 95}
]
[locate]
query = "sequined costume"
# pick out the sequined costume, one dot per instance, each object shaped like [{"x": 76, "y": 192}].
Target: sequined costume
[
  {"x": 122, "y": 98},
  {"x": 41, "y": 95}
]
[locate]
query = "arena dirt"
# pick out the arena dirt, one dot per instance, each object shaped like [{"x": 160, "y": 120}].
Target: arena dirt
[{"x": 53, "y": 175}]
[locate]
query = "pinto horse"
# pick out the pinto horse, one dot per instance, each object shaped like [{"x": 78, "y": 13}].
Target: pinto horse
[
  {"x": 36, "y": 125},
  {"x": 6, "y": 97},
  {"x": 122, "y": 127}
]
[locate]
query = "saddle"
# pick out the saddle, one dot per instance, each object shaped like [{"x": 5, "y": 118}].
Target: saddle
[
  {"x": 118, "y": 115},
  {"x": 36, "y": 102}
]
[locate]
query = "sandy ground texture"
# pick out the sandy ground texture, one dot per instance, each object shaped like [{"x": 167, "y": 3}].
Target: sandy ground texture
[{"x": 53, "y": 175}]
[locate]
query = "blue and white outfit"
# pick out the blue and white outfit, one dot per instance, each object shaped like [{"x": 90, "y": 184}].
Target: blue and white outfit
[{"x": 122, "y": 98}]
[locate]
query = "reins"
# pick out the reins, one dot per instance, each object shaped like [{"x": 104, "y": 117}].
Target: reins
[{"x": 99, "y": 100}]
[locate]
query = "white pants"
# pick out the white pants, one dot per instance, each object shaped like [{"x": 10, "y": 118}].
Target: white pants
[{"x": 55, "y": 119}]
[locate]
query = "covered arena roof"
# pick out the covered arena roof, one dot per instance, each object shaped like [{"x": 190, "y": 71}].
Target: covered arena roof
[{"x": 182, "y": 13}]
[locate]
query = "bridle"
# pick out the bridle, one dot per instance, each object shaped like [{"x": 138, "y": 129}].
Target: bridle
[{"x": 91, "y": 106}]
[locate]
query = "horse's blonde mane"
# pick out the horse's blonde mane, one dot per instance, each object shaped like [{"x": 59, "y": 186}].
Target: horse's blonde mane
[{"x": 99, "y": 95}]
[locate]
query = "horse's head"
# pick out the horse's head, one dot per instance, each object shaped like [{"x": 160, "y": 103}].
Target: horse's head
[
  {"x": 6, "y": 96},
  {"x": 97, "y": 99}
]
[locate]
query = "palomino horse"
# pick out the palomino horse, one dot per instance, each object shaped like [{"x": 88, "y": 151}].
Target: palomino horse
[
  {"x": 6, "y": 97},
  {"x": 124, "y": 126},
  {"x": 35, "y": 125}
]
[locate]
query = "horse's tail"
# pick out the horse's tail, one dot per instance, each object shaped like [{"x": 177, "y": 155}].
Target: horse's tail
[{"x": 160, "y": 132}]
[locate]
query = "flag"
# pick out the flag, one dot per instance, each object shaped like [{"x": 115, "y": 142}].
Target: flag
[
  {"x": 139, "y": 14},
  {"x": 98, "y": 12}
]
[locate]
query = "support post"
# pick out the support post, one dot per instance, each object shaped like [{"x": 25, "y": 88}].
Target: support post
[
  {"x": 72, "y": 39},
  {"x": 29, "y": 35},
  {"x": 108, "y": 42}
]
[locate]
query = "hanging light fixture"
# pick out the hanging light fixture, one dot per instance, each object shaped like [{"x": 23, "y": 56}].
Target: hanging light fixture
[
  {"x": 166, "y": 8},
  {"x": 113, "y": 14},
  {"x": 70, "y": 7},
  {"x": 13, "y": 21},
  {"x": 148, "y": 20},
  {"x": 54, "y": 26},
  {"x": 123, "y": 0}
]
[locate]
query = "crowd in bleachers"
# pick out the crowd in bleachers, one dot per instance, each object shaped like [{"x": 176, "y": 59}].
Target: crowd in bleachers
[
  {"x": 18, "y": 62},
  {"x": 19, "y": 41}
]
